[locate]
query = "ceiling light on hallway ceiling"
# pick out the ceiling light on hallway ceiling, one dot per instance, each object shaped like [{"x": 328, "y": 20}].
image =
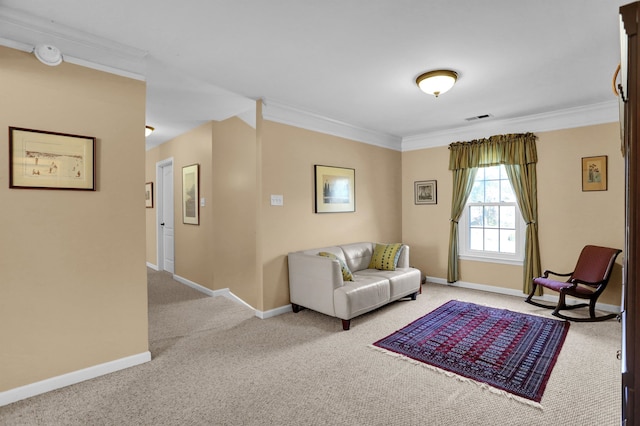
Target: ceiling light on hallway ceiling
[
  {"x": 436, "y": 82},
  {"x": 48, "y": 55},
  {"x": 148, "y": 130}
]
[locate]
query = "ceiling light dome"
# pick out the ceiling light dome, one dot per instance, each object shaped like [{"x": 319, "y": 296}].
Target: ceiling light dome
[
  {"x": 436, "y": 82},
  {"x": 48, "y": 55}
]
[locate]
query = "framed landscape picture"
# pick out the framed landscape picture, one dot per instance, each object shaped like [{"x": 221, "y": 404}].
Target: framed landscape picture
[
  {"x": 335, "y": 189},
  {"x": 47, "y": 160},
  {"x": 190, "y": 194},
  {"x": 148, "y": 195},
  {"x": 426, "y": 192},
  {"x": 594, "y": 173}
]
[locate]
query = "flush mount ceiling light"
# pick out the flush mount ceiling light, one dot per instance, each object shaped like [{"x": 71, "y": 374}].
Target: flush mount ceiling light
[
  {"x": 48, "y": 55},
  {"x": 436, "y": 82},
  {"x": 148, "y": 130}
]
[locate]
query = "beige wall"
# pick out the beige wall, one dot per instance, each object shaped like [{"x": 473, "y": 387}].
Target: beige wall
[
  {"x": 246, "y": 248},
  {"x": 220, "y": 252},
  {"x": 243, "y": 233},
  {"x": 288, "y": 158},
  {"x": 233, "y": 242},
  {"x": 568, "y": 217},
  {"x": 72, "y": 270},
  {"x": 192, "y": 243},
  {"x": 151, "y": 158}
]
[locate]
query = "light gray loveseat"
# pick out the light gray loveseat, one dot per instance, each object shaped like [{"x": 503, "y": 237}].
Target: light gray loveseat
[{"x": 316, "y": 282}]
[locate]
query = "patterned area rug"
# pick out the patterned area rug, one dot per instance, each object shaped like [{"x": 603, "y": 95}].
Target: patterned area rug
[{"x": 509, "y": 351}]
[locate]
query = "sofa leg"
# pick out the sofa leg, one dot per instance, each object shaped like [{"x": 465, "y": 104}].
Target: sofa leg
[
  {"x": 414, "y": 296},
  {"x": 346, "y": 324},
  {"x": 296, "y": 308}
]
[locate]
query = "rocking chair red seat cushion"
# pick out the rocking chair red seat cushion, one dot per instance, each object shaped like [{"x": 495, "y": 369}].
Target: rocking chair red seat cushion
[
  {"x": 587, "y": 281},
  {"x": 559, "y": 285}
]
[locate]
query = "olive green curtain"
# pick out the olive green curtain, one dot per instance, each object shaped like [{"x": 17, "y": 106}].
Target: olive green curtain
[
  {"x": 518, "y": 153},
  {"x": 523, "y": 179},
  {"x": 462, "y": 184}
]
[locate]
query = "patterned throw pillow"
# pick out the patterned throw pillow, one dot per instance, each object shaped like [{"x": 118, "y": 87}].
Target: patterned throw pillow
[
  {"x": 346, "y": 272},
  {"x": 385, "y": 257}
]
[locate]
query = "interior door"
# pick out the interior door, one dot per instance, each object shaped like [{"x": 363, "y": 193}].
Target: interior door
[
  {"x": 630, "y": 290},
  {"x": 166, "y": 231}
]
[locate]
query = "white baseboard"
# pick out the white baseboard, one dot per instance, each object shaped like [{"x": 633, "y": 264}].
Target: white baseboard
[
  {"x": 53, "y": 383},
  {"x": 273, "y": 312},
  {"x": 513, "y": 292},
  {"x": 200, "y": 288},
  {"x": 152, "y": 266},
  {"x": 225, "y": 292}
]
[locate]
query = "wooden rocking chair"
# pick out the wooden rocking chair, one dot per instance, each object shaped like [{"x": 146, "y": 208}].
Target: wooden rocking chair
[{"x": 587, "y": 281}]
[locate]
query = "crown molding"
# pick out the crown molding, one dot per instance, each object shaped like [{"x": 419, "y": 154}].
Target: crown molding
[
  {"x": 25, "y": 47},
  {"x": 23, "y": 31},
  {"x": 588, "y": 115},
  {"x": 285, "y": 114},
  {"x": 248, "y": 117},
  {"x": 104, "y": 68}
]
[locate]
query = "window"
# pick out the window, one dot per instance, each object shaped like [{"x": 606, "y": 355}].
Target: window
[{"x": 491, "y": 226}]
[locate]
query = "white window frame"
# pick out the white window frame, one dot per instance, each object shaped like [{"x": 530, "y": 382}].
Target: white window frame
[{"x": 465, "y": 253}]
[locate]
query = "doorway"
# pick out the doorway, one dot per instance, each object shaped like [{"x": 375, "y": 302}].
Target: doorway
[{"x": 164, "y": 216}]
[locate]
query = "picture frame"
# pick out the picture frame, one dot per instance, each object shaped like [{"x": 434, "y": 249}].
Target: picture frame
[
  {"x": 191, "y": 194},
  {"x": 425, "y": 192},
  {"x": 335, "y": 189},
  {"x": 40, "y": 159},
  {"x": 148, "y": 195},
  {"x": 594, "y": 173}
]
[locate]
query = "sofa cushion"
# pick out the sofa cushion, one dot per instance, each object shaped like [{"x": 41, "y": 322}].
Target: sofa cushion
[
  {"x": 363, "y": 295},
  {"x": 358, "y": 255},
  {"x": 385, "y": 257},
  {"x": 404, "y": 281},
  {"x": 346, "y": 272}
]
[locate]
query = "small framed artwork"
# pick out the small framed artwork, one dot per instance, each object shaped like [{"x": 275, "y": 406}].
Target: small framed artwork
[
  {"x": 426, "y": 192},
  {"x": 335, "y": 189},
  {"x": 594, "y": 173},
  {"x": 148, "y": 195},
  {"x": 191, "y": 194},
  {"x": 47, "y": 160}
]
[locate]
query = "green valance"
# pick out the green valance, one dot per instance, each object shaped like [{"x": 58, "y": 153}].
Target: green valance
[{"x": 517, "y": 148}]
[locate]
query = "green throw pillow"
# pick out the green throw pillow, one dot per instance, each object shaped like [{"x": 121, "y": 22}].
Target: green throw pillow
[
  {"x": 385, "y": 257},
  {"x": 346, "y": 272}
]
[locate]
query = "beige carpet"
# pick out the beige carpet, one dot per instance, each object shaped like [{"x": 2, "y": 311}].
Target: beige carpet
[{"x": 215, "y": 363}]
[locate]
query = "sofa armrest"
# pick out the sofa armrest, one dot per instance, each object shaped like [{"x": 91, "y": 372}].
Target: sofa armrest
[
  {"x": 403, "y": 260},
  {"x": 312, "y": 280}
]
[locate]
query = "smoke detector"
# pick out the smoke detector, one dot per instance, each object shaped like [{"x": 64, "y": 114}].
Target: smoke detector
[{"x": 48, "y": 55}]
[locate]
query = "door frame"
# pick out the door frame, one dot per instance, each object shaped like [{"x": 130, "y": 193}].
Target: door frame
[{"x": 159, "y": 206}]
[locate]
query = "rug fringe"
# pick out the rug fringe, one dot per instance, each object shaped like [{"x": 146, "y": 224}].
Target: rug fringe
[{"x": 459, "y": 377}]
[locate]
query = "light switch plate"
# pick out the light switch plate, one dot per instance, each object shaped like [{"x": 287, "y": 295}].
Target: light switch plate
[
  {"x": 277, "y": 200},
  {"x": 202, "y": 203}
]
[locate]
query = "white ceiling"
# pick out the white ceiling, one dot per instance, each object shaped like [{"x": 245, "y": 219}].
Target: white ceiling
[{"x": 351, "y": 63}]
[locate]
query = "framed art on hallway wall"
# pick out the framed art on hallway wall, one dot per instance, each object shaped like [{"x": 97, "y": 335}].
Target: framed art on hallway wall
[
  {"x": 47, "y": 160},
  {"x": 335, "y": 189},
  {"x": 148, "y": 195},
  {"x": 191, "y": 194}
]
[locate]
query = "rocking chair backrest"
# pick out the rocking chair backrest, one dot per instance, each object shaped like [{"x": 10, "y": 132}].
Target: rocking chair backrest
[{"x": 595, "y": 264}]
